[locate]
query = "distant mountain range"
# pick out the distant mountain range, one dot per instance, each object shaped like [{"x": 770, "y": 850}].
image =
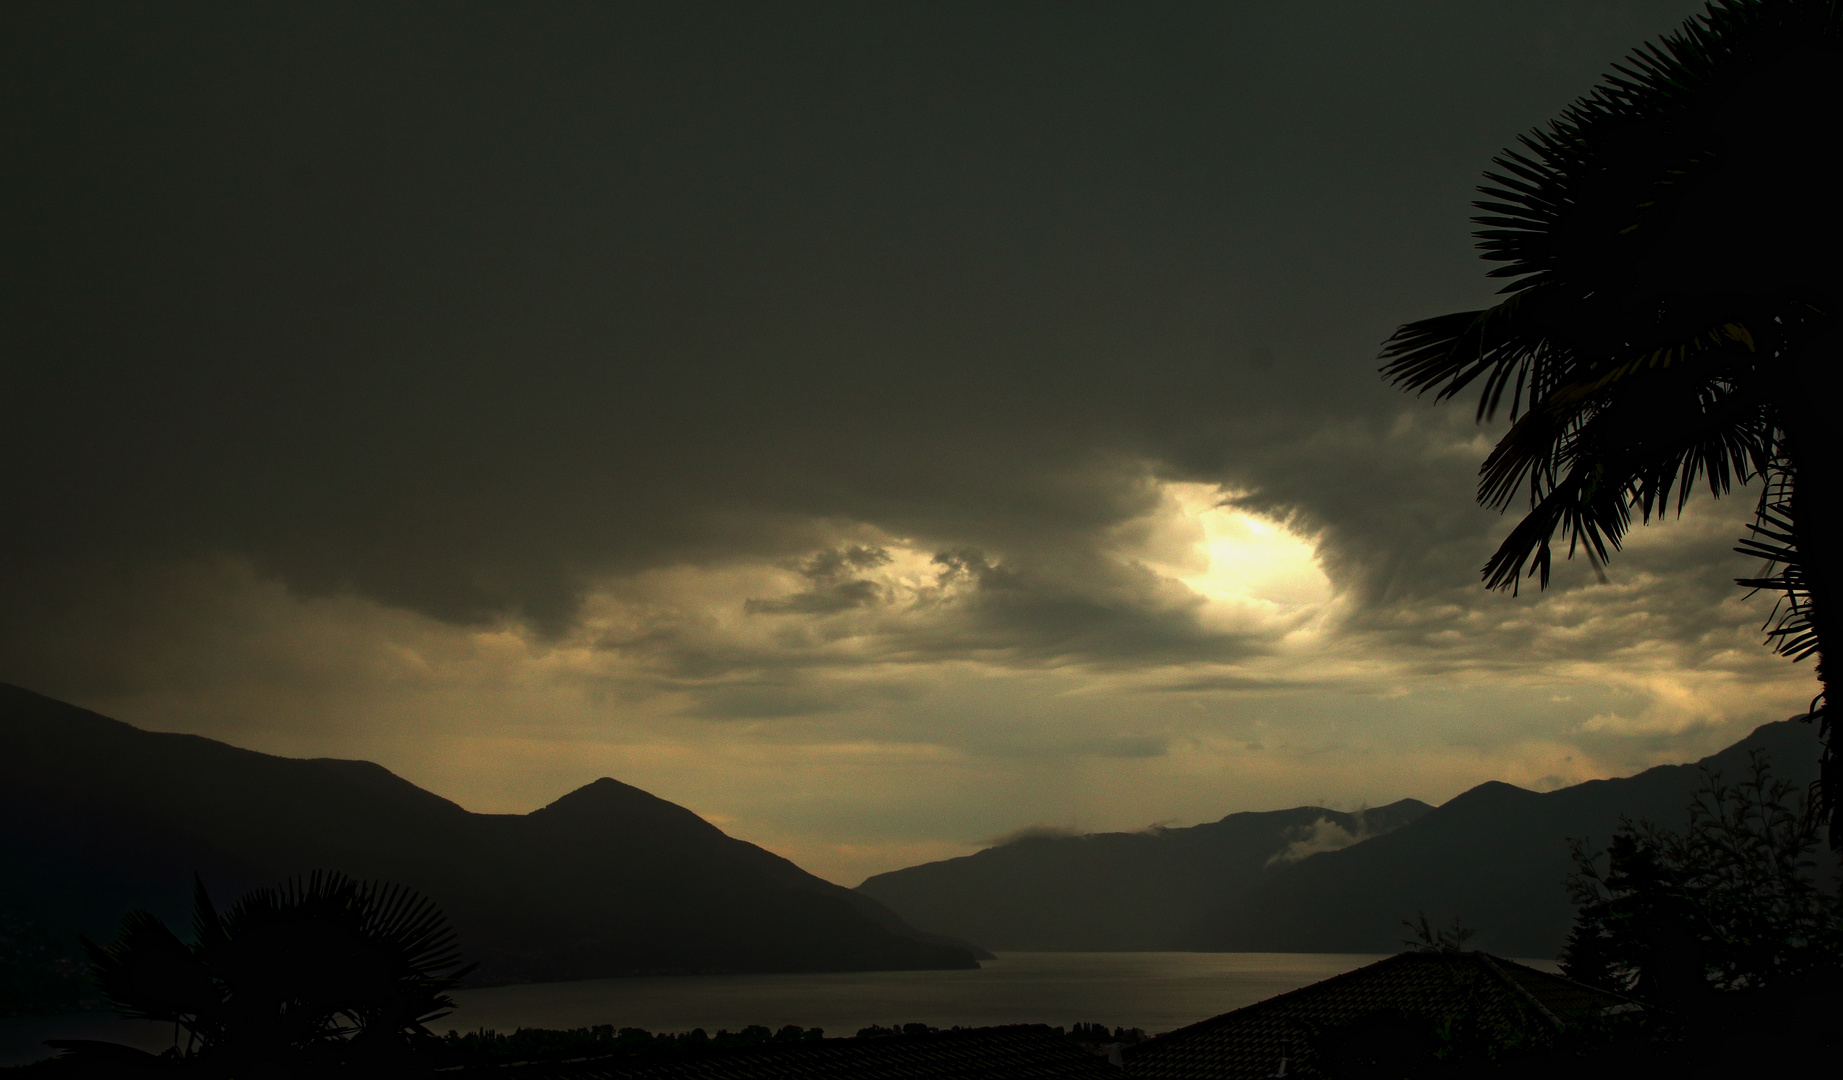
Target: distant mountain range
[
  {"x": 98, "y": 817},
  {"x": 1495, "y": 857},
  {"x": 1118, "y": 891}
]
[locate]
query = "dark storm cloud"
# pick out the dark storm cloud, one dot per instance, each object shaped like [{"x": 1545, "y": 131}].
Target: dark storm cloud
[
  {"x": 1109, "y": 614},
  {"x": 820, "y": 600},
  {"x": 462, "y": 307}
]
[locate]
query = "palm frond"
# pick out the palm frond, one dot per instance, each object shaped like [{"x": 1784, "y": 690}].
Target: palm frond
[
  {"x": 301, "y": 968},
  {"x": 149, "y": 974},
  {"x": 207, "y": 924},
  {"x": 1449, "y": 352},
  {"x": 1773, "y": 538},
  {"x": 1657, "y": 303},
  {"x": 1587, "y": 512}
]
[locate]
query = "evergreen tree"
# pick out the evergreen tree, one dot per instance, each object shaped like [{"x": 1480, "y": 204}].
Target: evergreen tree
[{"x": 1731, "y": 904}]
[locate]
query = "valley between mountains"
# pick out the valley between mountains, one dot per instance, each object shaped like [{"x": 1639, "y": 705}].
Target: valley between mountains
[{"x": 101, "y": 817}]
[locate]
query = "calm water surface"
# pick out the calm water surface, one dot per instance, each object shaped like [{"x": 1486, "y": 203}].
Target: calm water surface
[{"x": 1156, "y": 991}]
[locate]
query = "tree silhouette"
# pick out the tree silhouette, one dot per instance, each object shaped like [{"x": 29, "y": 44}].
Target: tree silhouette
[
  {"x": 1730, "y": 904},
  {"x": 1672, "y": 318},
  {"x": 1438, "y": 940},
  {"x": 322, "y": 974}
]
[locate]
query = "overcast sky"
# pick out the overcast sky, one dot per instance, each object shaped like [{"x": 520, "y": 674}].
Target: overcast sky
[{"x": 876, "y": 427}]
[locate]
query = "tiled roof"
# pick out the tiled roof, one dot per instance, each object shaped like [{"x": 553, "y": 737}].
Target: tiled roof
[
  {"x": 1018, "y": 1052},
  {"x": 1491, "y": 993}
]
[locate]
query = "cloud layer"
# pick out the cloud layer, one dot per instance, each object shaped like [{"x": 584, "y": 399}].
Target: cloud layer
[{"x": 874, "y": 427}]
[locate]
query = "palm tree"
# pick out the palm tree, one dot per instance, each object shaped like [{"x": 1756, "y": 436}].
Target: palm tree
[
  {"x": 321, "y": 974},
  {"x": 1671, "y": 241}
]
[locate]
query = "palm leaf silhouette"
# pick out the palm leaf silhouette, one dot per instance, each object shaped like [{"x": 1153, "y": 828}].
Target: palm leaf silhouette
[
  {"x": 322, "y": 970},
  {"x": 1671, "y": 315}
]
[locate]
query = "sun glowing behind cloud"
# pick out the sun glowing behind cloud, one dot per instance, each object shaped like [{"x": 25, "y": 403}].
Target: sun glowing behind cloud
[{"x": 1248, "y": 569}]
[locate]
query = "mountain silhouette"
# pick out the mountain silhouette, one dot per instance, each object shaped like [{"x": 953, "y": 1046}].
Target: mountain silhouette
[
  {"x": 1494, "y": 856},
  {"x": 1117, "y": 891},
  {"x": 100, "y": 817}
]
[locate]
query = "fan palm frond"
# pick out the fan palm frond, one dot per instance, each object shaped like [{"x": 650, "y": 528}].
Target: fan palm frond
[
  {"x": 294, "y": 971},
  {"x": 1774, "y": 538},
  {"x": 149, "y": 974},
  {"x": 1667, "y": 298}
]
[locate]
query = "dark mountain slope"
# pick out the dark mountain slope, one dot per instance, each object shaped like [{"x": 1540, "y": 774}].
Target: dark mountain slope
[
  {"x": 1124, "y": 891},
  {"x": 97, "y": 817},
  {"x": 101, "y": 813},
  {"x": 1495, "y": 856}
]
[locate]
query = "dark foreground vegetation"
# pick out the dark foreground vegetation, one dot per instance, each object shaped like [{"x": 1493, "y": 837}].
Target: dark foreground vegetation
[
  {"x": 1787, "y": 1032},
  {"x": 1719, "y": 948},
  {"x": 1773, "y": 1035},
  {"x": 487, "y": 1050},
  {"x": 318, "y": 975},
  {"x": 1722, "y": 931},
  {"x": 490, "y": 1048}
]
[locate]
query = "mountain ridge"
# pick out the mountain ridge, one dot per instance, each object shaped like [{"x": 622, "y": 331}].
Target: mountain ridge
[
  {"x": 1114, "y": 891},
  {"x": 101, "y": 817},
  {"x": 1494, "y": 856}
]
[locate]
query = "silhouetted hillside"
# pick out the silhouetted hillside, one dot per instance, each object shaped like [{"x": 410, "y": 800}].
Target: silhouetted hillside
[
  {"x": 1145, "y": 890},
  {"x": 100, "y": 817},
  {"x": 1495, "y": 856}
]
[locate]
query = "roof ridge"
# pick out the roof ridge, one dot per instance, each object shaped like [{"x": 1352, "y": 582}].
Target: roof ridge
[
  {"x": 1275, "y": 1000},
  {"x": 1521, "y": 990},
  {"x": 1555, "y": 977}
]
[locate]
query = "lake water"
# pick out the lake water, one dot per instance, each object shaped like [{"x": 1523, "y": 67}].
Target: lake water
[{"x": 1156, "y": 991}]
